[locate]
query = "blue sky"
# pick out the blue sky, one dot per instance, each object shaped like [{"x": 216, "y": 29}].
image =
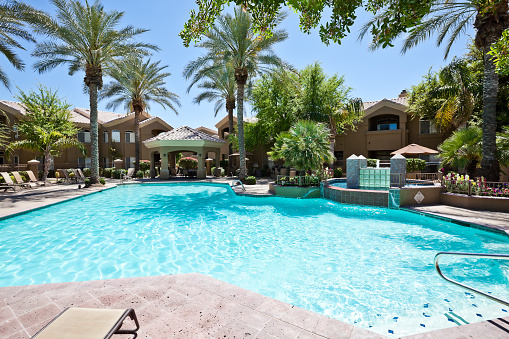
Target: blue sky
[{"x": 372, "y": 75}]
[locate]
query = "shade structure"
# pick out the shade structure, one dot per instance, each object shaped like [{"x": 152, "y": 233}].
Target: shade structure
[{"x": 413, "y": 149}]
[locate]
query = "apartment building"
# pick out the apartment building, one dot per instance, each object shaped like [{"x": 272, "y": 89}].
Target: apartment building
[
  {"x": 385, "y": 127},
  {"x": 116, "y": 132}
]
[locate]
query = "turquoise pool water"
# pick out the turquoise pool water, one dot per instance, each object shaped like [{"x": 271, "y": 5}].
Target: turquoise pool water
[{"x": 368, "y": 266}]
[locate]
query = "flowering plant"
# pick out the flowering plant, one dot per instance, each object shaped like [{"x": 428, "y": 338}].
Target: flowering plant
[
  {"x": 456, "y": 183},
  {"x": 188, "y": 163}
]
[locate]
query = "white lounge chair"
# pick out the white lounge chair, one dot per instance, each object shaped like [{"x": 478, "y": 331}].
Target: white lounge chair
[
  {"x": 19, "y": 180},
  {"x": 9, "y": 184}
]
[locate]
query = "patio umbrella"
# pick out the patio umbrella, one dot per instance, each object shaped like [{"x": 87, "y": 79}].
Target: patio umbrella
[
  {"x": 237, "y": 154},
  {"x": 414, "y": 149}
]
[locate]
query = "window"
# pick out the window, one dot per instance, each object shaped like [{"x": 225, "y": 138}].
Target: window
[
  {"x": 84, "y": 162},
  {"x": 16, "y": 160},
  {"x": 15, "y": 130},
  {"x": 389, "y": 124},
  {"x": 129, "y": 136},
  {"x": 129, "y": 161},
  {"x": 2, "y": 161},
  {"x": 105, "y": 137},
  {"x": 106, "y": 162},
  {"x": 427, "y": 127},
  {"x": 84, "y": 136},
  {"x": 115, "y": 135}
]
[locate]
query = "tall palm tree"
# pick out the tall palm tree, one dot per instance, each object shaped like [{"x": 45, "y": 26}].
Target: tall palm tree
[
  {"x": 136, "y": 83},
  {"x": 86, "y": 38},
  {"x": 450, "y": 18},
  {"x": 218, "y": 84},
  {"x": 232, "y": 40},
  {"x": 14, "y": 15}
]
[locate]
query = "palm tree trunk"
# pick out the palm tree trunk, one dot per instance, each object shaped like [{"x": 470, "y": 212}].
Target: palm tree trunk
[
  {"x": 94, "y": 141},
  {"x": 230, "y": 107},
  {"x": 47, "y": 158},
  {"x": 489, "y": 26},
  {"x": 241, "y": 79},
  {"x": 489, "y": 163},
  {"x": 137, "y": 113}
]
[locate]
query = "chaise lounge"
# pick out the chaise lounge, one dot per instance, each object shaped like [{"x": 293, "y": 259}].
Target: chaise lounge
[
  {"x": 88, "y": 323},
  {"x": 9, "y": 184}
]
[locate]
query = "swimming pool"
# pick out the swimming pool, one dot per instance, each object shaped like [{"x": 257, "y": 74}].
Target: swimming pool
[{"x": 372, "y": 267}]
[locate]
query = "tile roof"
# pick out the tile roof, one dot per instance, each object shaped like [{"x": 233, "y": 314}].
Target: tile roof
[
  {"x": 185, "y": 133},
  {"x": 102, "y": 116},
  {"x": 402, "y": 101},
  {"x": 15, "y": 105}
]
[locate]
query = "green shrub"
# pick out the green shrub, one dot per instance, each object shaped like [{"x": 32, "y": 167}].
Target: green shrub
[
  {"x": 86, "y": 171},
  {"x": 213, "y": 170},
  {"x": 147, "y": 173},
  {"x": 140, "y": 174},
  {"x": 101, "y": 172},
  {"x": 188, "y": 163},
  {"x": 415, "y": 164},
  {"x": 117, "y": 173},
  {"x": 223, "y": 163},
  {"x": 144, "y": 165},
  {"x": 251, "y": 180},
  {"x": 107, "y": 172},
  {"x": 71, "y": 173},
  {"x": 102, "y": 181},
  {"x": 87, "y": 182},
  {"x": 371, "y": 162},
  {"x": 237, "y": 172},
  {"x": 24, "y": 175},
  {"x": 338, "y": 173}
]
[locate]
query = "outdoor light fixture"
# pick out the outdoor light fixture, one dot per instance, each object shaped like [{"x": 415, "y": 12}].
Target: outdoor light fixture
[{"x": 164, "y": 155}]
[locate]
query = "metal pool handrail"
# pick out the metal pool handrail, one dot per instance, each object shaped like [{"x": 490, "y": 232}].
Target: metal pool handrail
[
  {"x": 237, "y": 182},
  {"x": 476, "y": 255}
]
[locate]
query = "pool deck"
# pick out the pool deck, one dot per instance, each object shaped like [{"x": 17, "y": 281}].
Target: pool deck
[{"x": 194, "y": 305}]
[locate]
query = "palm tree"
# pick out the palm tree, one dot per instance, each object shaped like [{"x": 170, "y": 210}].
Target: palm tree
[
  {"x": 232, "y": 40},
  {"x": 450, "y": 18},
  {"x": 135, "y": 84},
  {"x": 305, "y": 146},
  {"x": 448, "y": 98},
  {"x": 4, "y": 130},
  {"x": 219, "y": 84},
  {"x": 463, "y": 149},
  {"x": 86, "y": 38},
  {"x": 13, "y": 17}
]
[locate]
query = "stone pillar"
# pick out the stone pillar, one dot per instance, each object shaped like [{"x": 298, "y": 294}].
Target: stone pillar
[
  {"x": 164, "y": 173},
  {"x": 33, "y": 165},
  {"x": 118, "y": 163},
  {"x": 363, "y": 162},
  {"x": 398, "y": 170},
  {"x": 201, "y": 172},
  {"x": 352, "y": 171},
  {"x": 218, "y": 163}
]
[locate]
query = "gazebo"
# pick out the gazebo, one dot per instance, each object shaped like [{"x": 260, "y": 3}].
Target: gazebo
[{"x": 182, "y": 139}]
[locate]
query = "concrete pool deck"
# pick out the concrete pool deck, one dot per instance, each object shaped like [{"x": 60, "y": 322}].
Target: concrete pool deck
[{"x": 193, "y": 305}]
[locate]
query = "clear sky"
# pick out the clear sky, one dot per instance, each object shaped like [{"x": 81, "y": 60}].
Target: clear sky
[{"x": 372, "y": 75}]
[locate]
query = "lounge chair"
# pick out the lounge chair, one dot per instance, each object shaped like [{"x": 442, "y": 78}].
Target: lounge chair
[
  {"x": 67, "y": 178},
  {"x": 129, "y": 175},
  {"x": 9, "y": 184},
  {"x": 79, "y": 177},
  {"x": 81, "y": 173},
  {"x": 19, "y": 180},
  {"x": 34, "y": 180},
  {"x": 87, "y": 323}
]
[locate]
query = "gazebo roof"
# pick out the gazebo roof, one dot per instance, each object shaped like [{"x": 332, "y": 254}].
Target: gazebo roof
[{"x": 184, "y": 133}]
